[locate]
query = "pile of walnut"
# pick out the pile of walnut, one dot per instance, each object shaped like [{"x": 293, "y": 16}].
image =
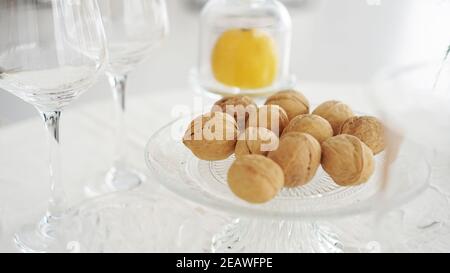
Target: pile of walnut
[{"x": 287, "y": 153}]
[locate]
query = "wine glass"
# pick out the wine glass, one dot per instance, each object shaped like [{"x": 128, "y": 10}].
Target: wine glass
[
  {"x": 50, "y": 53},
  {"x": 133, "y": 28},
  {"x": 414, "y": 101}
]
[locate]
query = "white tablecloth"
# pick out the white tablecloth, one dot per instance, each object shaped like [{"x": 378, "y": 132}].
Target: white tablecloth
[{"x": 87, "y": 146}]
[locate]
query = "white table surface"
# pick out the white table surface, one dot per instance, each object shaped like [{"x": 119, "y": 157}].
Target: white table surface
[{"x": 87, "y": 146}]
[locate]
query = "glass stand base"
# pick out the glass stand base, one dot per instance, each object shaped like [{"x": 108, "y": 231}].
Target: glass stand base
[
  {"x": 245, "y": 235},
  {"x": 43, "y": 238},
  {"x": 115, "y": 180}
]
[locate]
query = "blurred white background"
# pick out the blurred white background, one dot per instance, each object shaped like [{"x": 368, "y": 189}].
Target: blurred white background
[{"x": 344, "y": 41}]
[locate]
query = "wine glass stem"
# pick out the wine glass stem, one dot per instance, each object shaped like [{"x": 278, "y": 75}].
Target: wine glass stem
[
  {"x": 57, "y": 198},
  {"x": 118, "y": 85}
]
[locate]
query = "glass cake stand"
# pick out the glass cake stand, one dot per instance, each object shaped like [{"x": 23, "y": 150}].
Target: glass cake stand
[{"x": 290, "y": 222}]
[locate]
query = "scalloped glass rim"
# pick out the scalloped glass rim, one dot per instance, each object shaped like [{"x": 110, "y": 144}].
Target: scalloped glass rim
[{"x": 172, "y": 164}]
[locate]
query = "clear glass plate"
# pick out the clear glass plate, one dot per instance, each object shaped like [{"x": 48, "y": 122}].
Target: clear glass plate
[{"x": 204, "y": 182}]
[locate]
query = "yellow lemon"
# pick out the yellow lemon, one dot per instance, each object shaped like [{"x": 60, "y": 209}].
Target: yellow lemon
[{"x": 245, "y": 58}]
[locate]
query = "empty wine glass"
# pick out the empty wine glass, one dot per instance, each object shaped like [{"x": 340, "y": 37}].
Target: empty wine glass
[
  {"x": 413, "y": 101},
  {"x": 133, "y": 28},
  {"x": 49, "y": 54}
]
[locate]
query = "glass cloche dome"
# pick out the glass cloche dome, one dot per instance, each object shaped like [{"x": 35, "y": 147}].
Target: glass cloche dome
[{"x": 244, "y": 47}]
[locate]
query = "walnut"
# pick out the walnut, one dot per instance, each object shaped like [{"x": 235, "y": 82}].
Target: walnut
[
  {"x": 368, "y": 129},
  {"x": 237, "y": 106},
  {"x": 272, "y": 117},
  {"x": 335, "y": 112},
  {"x": 212, "y": 136},
  {"x": 311, "y": 124},
  {"x": 293, "y": 102},
  {"x": 255, "y": 178},
  {"x": 298, "y": 154},
  {"x": 256, "y": 141},
  {"x": 347, "y": 160}
]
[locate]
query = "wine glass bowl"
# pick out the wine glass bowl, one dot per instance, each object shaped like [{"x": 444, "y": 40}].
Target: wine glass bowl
[
  {"x": 55, "y": 60},
  {"x": 414, "y": 97},
  {"x": 133, "y": 29}
]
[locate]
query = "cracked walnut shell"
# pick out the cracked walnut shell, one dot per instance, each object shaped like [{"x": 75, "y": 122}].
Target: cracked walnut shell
[
  {"x": 311, "y": 124},
  {"x": 212, "y": 136},
  {"x": 256, "y": 141},
  {"x": 298, "y": 154},
  {"x": 347, "y": 160},
  {"x": 335, "y": 112},
  {"x": 255, "y": 178},
  {"x": 237, "y": 106},
  {"x": 368, "y": 129},
  {"x": 293, "y": 102},
  {"x": 272, "y": 117}
]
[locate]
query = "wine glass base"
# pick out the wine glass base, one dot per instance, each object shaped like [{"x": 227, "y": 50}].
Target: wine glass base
[
  {"x": 49, "y": 235},
  {"x": 257, "y": 235},
  {"x": 140, "y": 221},
  {"x": 114, "y": 180},
  {"x": 31, "y": 240}
]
